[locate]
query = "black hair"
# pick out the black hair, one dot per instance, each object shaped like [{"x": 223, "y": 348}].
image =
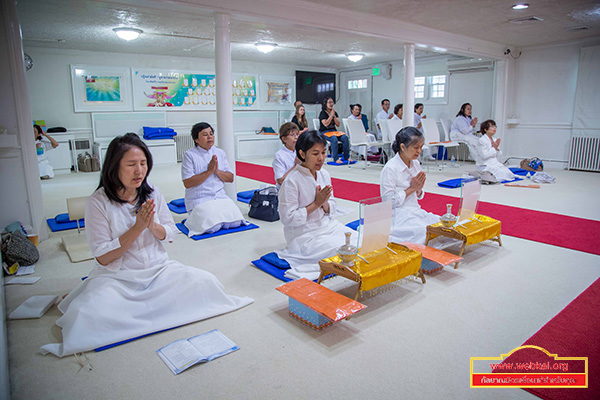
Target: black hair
[
  {"x": 324, "y": 103},
  {"x": 462, "y": 110},
  {"x": 307, "y": 140},
  {"x": 485, "y": 125},
  {"x": 384, "y": 100},
  {"x": 109, "y": 176},
  {"x": 199, "y": 127},
  {"x": 418, "y": 105},
  {"x": 397, "y": 108},
  {"x": 38, "y": 130},
  {"x": 406, "y": 136}
]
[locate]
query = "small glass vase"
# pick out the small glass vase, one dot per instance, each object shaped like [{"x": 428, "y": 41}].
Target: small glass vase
[
  {"x": 347, "y": 252},
  {"x": 448, "y": 219}
]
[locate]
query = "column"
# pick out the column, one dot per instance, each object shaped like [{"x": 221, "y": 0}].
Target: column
[
  {"x": 408, "y": 118},
  {"x": 224, "y": 132}
]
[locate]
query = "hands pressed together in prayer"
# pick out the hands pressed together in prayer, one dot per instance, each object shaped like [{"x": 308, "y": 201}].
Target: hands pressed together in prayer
[
  {"x": 496, "y": 144},
  {"x": 417, "y": 182},
  {"x": 213, "y": 165},
  {"x": 322, "y": 196},
  {"x": 145, "y": 219},
  {"x": 474, "y": 122}
]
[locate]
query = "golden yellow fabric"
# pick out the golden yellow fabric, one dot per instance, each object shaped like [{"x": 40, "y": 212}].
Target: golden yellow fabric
[
  {"x": 480, "y": 229},
  {"x": 384, "y": 266}
]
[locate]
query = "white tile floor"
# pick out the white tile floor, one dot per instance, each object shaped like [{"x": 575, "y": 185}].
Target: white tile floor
[{"x": 413, "y": 341}]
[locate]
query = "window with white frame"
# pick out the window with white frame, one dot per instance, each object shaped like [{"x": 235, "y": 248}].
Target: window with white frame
[
  {"x": 432, "y": 88},
  {"x": 419, "y": 87},
  {"x": 357, "y": 84}
]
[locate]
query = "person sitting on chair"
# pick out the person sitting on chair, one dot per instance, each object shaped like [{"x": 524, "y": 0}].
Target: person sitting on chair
[
  {"x": 463, "y": 126},
  {"x": 134, "y": 289},
  {"x": 204, "y": 171},
  {"x": 488, "y": 150},
  {"x": 329, "y": 122},
  {"x": 402, "y": 182},
  {"x": 306, "y": 208},
  {"x": 398, "y": 111},
  {"x": 300, "y": 119},
  {"x": 355, "y": 113},
  {"x": 285, "y": 159}
]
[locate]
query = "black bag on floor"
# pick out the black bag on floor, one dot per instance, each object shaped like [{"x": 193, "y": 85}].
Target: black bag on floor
[
  {"x": 17, "y": 248},
  {"x": 264, "y": 204}
]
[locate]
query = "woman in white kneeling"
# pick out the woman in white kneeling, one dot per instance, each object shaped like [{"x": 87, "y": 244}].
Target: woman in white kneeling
[
  {"x": 204, "y": 172},
  {"x": 488, "y": 150},
  {"x": 134, "y": 288},
  {"x": 402, "y": 182},
  {"x": 306, "y": 208}
]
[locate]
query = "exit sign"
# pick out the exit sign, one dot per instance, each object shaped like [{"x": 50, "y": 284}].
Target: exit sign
[{"x": 376, "y": 71}]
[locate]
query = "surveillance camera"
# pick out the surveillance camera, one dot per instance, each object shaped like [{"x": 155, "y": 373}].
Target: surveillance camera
[{"x": 506, "y": 52}]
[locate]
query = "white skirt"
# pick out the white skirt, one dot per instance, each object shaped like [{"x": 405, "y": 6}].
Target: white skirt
[
  {"x": 304, "y": 252},
  {"x": 109, "y": 307},
  {"x": 410, "y": 225},
  {"x": 213, "y": 215}
]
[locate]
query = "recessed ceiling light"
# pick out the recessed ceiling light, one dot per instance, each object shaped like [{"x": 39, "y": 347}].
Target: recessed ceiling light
[
  {"x": 520, "y": 6},
  {"x": 265, "y": 47},
  {"x": 355, "y": 57},
  {"x": 127, "y": 33}
]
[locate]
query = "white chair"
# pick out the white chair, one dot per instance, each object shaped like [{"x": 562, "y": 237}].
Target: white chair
[
  {"x": 462, "y": 153},
  {"x": 358, "y": 137},
  {"x": 316, "y": 124},
  {"x": 345, "y": 122},
  {"x": 76, "y": 246},
  {"x": 432, "y": 136}
]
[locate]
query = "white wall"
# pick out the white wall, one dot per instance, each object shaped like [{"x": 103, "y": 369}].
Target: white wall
[
  {"x": 543, "y": 94},
  {"x": 50, "y": 83}
]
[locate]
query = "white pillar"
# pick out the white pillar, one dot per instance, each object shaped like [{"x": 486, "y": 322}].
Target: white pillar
[
  {"x": 408, "y": 117},
  {"x": 224, "y": 94},
  {"x": 500, "y": 101}
]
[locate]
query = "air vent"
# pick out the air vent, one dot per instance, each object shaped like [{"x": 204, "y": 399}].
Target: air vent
[
  {"x": 577, "y": 28},
  {"x": 524, "y": 20}
]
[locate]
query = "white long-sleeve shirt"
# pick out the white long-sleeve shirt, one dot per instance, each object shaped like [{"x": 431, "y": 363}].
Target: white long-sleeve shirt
[
  {"x": 284, "y": 160},
  {"x": 297, "y": 192},
  {"x": 195, "y": 161},
  {"x": 395, "y": 179}
]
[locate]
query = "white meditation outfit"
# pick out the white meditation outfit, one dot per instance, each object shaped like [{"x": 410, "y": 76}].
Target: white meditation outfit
[
  {"x": 284, "y": 160},
  {"x": 462, "y": 131},
  {"x": 417, "y": 122},
  {"x": 488, "y": 160},
  {"x": 139, "y": 293},
  {"x": 209, "y": 206},
  {"x": 310, "y": 237},
  {"x": 409, "y": 220},
  {"x": 42, "y": 146}
]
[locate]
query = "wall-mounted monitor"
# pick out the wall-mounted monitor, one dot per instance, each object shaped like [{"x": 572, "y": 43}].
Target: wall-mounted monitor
[{"x": 313, "y": 87}]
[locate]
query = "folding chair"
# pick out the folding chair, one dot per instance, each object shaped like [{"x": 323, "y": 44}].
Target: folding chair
[{"x": 432, "y": 137}]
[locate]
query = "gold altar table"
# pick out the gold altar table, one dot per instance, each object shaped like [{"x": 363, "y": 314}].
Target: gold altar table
[
  {"x": 477, "y": 230},
  {"x": 383, "y": 267}
]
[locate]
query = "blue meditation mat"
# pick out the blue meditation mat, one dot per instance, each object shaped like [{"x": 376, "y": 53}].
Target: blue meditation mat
[
  {"x": 186, "y": 231},
  {"x": 344, "y": 162},
  {"x": 245, "y": 196},
  {"x": 521, "y": 171},
  {"x": 177, "y": 206},
  {"x": 451, "y": 183},
  {"x": 276, "y": 271},
  {"x": 62, "y": 223},
  {"x": 108, "y": 346},
  {"x": 354, "y": 224},
  {"x": 430, "y": 267},
  {"x": 514, "y": 180}
]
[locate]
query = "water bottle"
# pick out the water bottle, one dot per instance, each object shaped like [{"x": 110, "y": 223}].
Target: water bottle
[{"x": 453, "y": 161}]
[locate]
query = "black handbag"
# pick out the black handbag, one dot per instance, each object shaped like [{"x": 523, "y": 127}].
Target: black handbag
[
  {"x": 264, "y": 204},
  {"x": 17, "y": 248}
]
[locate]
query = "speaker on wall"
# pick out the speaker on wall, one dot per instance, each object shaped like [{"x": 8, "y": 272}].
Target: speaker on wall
[{"x": 386, "y": 71}]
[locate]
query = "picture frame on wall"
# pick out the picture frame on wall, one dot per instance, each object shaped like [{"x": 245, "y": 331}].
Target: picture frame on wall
[
  {"x": 101, "y": 88},
  {"x": 278, "y": 92},
  {"x": 245, "y": 92}
]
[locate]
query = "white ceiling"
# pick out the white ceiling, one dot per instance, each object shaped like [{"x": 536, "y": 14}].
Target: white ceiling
[{"x": 186, "y": 28}]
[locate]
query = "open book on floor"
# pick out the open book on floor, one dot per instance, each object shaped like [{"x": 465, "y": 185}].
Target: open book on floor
[{"x": 183, "y": 353}]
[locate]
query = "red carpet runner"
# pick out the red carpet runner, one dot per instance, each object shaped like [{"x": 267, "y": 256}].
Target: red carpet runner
[
  {"x": 554, "y": 229},
  {"x": 572, "y": 333}
]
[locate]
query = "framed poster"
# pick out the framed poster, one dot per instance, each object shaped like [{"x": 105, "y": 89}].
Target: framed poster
[
  {"x": 245, "y": 92},
  {"x": 279, "y": 92},
  {"x": 101, "y": 88},
  {"x": 173, "y": 90}
]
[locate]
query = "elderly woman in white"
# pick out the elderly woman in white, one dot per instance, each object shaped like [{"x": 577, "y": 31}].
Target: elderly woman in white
[
  {"x": 306, "y": 207},
  {"x": 204, "y": 171},
  {"x": 285, "y": 159},
  {"x": 134, "y": 289},
  {"x": 462, "y": 127},
  {"x": 402, "y": 181},
  {"x": 488, "y": 150}
]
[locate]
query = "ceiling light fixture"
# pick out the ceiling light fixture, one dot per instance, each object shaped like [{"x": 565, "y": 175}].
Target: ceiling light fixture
[
  {"x": 127, "y": 33},
  {"x": 265, "y": 47},
  {"x": 355, "y": 57},
  {"x": 520, "y": 6}
]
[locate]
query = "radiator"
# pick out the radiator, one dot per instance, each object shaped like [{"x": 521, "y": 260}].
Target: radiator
[
  {"x": 585, "y": 153},
  {"x": 183, "y": 143}
]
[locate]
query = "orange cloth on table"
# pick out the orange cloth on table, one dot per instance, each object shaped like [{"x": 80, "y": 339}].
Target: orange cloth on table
[{"x": 333, "y": 133}]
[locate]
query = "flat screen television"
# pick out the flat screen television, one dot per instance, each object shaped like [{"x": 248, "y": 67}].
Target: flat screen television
[{"x": 313, "y": 87}]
